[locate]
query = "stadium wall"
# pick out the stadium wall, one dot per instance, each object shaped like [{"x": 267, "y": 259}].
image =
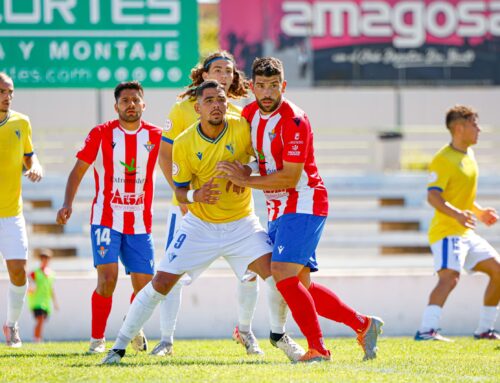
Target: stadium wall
[
  {"x": 326, "y": 107},
  {"x": 209, "y": 305}
]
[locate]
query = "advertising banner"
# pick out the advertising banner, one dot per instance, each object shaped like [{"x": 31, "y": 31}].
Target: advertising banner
[
  {"x": 95, "y": 44},
  {"x": 378, "y": 41}
]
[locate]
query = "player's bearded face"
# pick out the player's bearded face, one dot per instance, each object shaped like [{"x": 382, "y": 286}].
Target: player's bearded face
[
  {"x": 130, "y": 105},
  {"x": 213, "y": 106},
  {"x": 268, "y": 92}
]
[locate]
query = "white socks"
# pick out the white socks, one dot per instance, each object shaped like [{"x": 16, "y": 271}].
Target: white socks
[
  {"x": 248, "y": 292},
  {"x": 139, "y": 312},
  {"x": 278, "y": 309},
  {"x": 15, "y": 301},
  {"x": 431, "y": 317},
  {"x": 487, "y": 318},
  {"x": 169, "y": 309}
]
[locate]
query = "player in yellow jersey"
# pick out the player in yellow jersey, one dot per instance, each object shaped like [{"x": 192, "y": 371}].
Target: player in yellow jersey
[
  {"x": 220, "y": 222},
  {"x": 452, "y": 192},
  {"x": 218, "y": 66},
  {"x": 16, "y": 151}
]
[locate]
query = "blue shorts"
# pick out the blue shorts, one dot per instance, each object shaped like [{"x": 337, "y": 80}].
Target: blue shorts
[
  {"x": 136, "y": 251},
  {"x": 295, "y": 238}
]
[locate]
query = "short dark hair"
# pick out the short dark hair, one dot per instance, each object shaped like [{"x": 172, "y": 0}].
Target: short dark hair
[
  {"x": 128, "y": 85},
  {"x": 459, "y": 112},
  {"x": 267, "y": 67},
  {"x": 209, "y": 84}
]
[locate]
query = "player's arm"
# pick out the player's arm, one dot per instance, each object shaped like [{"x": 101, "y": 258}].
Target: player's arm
[
  {"x": 74, "y": 180},
  {"x": 34, "y": 171},
  {"x": 165, "y": 161},
  {"x": 286, "y": 178},
  {"x": 487, "y": 215},
  {"x": 464, "y": 217}
]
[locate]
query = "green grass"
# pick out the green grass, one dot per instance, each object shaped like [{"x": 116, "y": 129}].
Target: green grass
[{"x": 400, "y": 360}]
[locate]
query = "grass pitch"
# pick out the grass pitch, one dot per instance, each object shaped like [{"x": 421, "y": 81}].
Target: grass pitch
[{"x": 400, "y": 360}]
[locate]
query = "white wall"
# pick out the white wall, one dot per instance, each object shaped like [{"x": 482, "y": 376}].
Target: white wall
[
  {"x": 326, "y": 107},
  {"x": 209, "y": 305}
]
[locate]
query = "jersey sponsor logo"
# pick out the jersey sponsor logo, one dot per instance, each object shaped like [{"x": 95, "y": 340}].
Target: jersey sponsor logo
[
  {"x": 276, "y": 194},
  {"x": 230, "y": 148},
  {"x": 294, "y": 153},
  {"x": 102, "y": 251},
  {"x": 127, "y": 201},
  {"x": 175, "y": 169},
  {"x": 261, "y": 157},
  {"x": 295, "y": 147},
  {"x": 433, "y": 177},
  {"x": 130, "y": 169},
  {"x": 149, "y": 146},
  {"x": 18, "y": 133},
  {"x": 281, "y": 248},
  {"x": 129, "y": 181},
  {"x": 168, "y": 125},
  {"x": 199, "y": 155}
]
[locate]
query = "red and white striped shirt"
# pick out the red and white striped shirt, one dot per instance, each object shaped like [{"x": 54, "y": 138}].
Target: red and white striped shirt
[
  {"x": 286, "y": 135},
  {"x": 124, "y": 173}
]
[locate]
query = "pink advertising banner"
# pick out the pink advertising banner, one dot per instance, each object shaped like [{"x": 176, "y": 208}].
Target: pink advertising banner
[{"x": 374, "y": 39}]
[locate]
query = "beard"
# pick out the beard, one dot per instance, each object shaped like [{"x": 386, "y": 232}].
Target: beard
[
  {"x": 216, "y": 122},
  {"x": 130, "y": 118},
  {"x": 270, "y": 108}
]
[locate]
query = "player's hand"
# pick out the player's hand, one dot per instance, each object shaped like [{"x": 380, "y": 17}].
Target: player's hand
[
  {"x": 63, "y": 215},
  {"x": 35, "y": 174},
  {"x": 208, "y": 193},
  {"x": 184, "y": 208},
  {"x": 235, "y": 172},
  {"x": 488, "y": 216},
  {"x": 466, "y": 218}
]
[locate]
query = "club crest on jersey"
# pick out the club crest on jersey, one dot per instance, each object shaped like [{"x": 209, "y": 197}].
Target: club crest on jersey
[
  {"x": 102, "y": 251},
  {"x": 149, "y": 146},
  {"x": 199, "y": 155},
  {"x": 297, "y": 136},
  {"x": 18, "y": 134},
  {"x": 230, "y": 148},
  {"x": 271, "y": 134}
]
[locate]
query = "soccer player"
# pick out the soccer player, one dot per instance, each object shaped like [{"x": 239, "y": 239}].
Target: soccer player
[
  {"x": 218, "y": 66},
  {"x": 220, "y": 222},
  {"x": 41, "y": 295},
  {"x": 297, "y": 204},
  {"x": 452, "y": 193},
  {"x": 16, "y": 151},
  {"x": 124, "y": 153}
]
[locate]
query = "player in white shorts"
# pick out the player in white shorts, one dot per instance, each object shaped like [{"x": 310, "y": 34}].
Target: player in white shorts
[
  {"x": 16, "y": 151},
  {"x": 218, "y": 66},
  {"x": 221, "y": 220},
  {"x": 452, "y": 192}
]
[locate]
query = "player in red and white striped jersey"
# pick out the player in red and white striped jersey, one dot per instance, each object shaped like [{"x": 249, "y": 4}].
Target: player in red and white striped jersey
[
  {"x": 124, "y": 153},
  {"x": 286, "y": 135},
  {"x": 297, "y": 203}
]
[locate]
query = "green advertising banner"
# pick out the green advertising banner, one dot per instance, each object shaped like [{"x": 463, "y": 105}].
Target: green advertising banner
[{"x": 97, "y": 43}]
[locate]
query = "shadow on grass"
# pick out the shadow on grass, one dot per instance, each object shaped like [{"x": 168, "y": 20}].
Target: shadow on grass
[
  {"x": 17, "y": 354},
  {"x": 184, "y": 362}
]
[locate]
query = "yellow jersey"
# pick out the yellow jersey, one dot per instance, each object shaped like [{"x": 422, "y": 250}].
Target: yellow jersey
[
  {"x": 15, "y": 143},
  {"x": 194, "y": 159},
  {"x": 454, "y": 174},
  {"x": 182, "y": 116}
]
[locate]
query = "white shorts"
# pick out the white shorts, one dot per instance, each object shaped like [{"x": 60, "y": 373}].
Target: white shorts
[
  {"x": 465, "y": 252},
  {"x": 197, "y": 244},
  {"x": 13, "y": 238},
  {"x": 173, "y": 222}
]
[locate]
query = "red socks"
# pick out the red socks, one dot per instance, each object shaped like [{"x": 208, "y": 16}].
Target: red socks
[
  {"x": 330, "y": 306},
  {"x": 301, "y": 305},
  {"x": 101, "y": 307}
]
